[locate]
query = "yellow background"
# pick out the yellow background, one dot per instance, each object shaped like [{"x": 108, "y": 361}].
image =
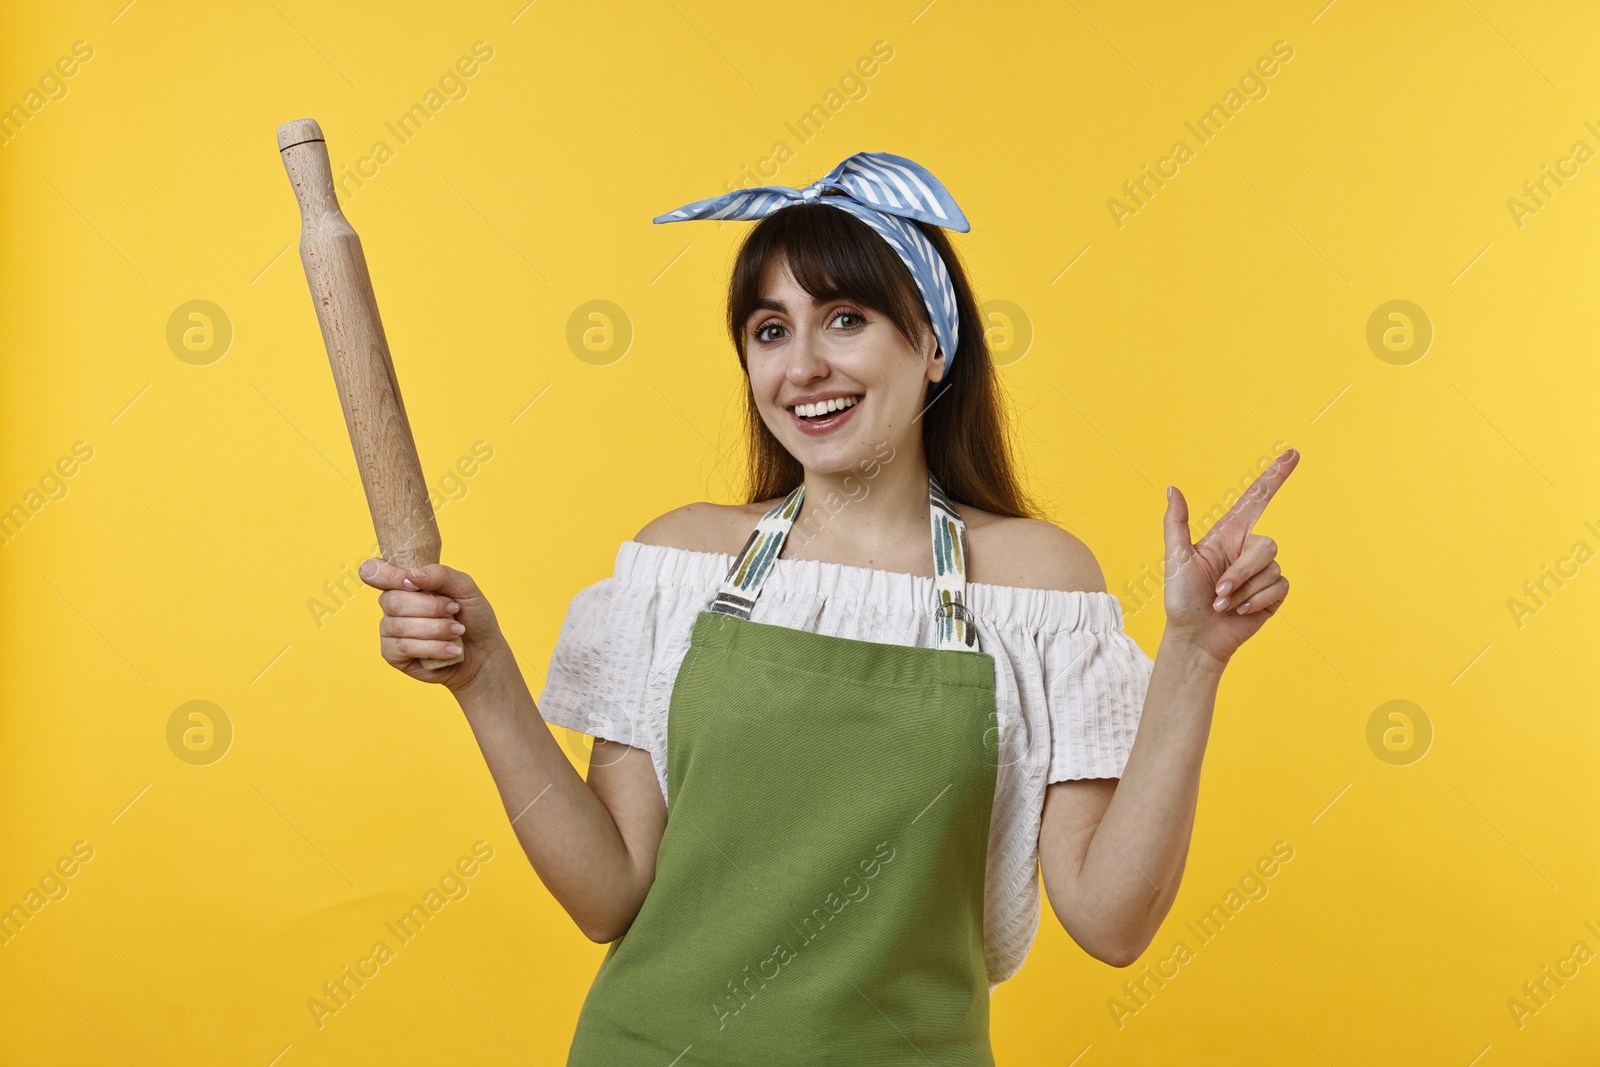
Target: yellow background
[{"x": 1225, "y": 320}]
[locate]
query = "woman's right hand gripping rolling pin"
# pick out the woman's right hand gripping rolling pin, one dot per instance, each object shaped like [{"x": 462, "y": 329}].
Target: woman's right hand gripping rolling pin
[{"x": 432, "y": 613}]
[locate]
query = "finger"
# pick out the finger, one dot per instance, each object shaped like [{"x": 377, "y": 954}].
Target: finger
[
  {"x": 1175, "y": 528},
  {"x": 399, "y": 649},
  {"x": 420, "y": 605},
  {"x": 1266, "y": 600},
  {"x": 1252, "y": 585},
  {"x": 1241, "y": 518},
  {"x": 438, "y": 578},
  {"x": 381, "y": 574},
  {"x": 424, "y": 629},
  {"x": 1256, "y": 552}
]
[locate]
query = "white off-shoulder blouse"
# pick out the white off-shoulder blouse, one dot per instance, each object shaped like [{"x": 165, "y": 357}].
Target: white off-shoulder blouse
[{"x": 1069, "y": 683}]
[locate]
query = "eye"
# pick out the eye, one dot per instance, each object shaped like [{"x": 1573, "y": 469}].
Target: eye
[{"x": 759, "y": 332}]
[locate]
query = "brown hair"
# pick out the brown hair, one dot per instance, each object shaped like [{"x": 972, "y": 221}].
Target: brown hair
[{"x": 833, "y": 254}]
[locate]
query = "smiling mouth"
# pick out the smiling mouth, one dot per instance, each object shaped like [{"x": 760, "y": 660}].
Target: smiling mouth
[
  {"x": 823, "y": 408},
  {"x": 824, "y": 414}
]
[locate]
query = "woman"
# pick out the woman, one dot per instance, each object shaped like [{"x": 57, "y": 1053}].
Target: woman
[{"x": 867, "y": 758}]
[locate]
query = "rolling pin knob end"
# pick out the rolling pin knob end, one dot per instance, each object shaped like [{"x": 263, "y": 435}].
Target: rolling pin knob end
[{"x": 298, "y": 131}]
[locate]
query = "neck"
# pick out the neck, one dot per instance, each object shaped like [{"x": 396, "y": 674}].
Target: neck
[{"x": 870, "y": 514}]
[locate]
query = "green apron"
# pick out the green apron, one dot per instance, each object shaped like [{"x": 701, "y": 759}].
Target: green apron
[{"x": 819, "y": 889}]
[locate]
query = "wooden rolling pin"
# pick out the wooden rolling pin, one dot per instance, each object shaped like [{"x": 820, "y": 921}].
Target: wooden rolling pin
[{"x": 352, "y": 332}]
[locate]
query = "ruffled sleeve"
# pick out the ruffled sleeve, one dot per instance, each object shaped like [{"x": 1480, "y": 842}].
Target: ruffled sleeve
[
  {"x": 619, "y": 649},
  {"x": 1095, "y": 680}
]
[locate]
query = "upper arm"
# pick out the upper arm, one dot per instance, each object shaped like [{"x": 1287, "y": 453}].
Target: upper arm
[
  {"x": 1057, "y": 559},
  {"x": 1072, "y": 814},
  {"x": 1073, "y": 809},
  {"x": 624, "y": 779}
]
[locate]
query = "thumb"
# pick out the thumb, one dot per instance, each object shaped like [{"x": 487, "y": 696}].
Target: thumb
[{"x": 1176, "y": 528}]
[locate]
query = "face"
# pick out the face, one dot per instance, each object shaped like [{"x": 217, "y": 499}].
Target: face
[{"x": 838, "y": 355}]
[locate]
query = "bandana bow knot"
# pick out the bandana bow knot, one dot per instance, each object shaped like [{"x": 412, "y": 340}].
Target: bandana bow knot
[{"x": 884, "y": 191}]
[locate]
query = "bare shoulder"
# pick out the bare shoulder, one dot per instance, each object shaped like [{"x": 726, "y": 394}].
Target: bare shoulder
[
  {"x": 704, "y": 527},
  {"x": 1030, "y": 553}
]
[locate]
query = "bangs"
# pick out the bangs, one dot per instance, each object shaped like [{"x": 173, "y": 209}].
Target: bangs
[{"x": 833, "y": 255}]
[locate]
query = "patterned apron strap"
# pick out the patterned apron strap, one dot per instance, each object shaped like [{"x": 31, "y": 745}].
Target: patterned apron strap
[
  {"x": 737, "y": 594},
  {"x": 950, "y": 570}
]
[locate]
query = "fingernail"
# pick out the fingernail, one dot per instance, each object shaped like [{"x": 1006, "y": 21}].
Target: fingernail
[
  {"x": 1244, "y": 607},
  {"x": 407, "y": 583},
  {"x": 1223, "y": 586},
  {"x": 1220, "y": 603},
  {"x": 452, "y": 606},
  {"x": 418, "y": 574},
  {"x": 368, "y": 569},
  {"x": 457, "y": 628},
  {"x": 453, "y": 650}
]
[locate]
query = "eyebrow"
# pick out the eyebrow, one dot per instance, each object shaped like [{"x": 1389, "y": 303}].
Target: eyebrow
[{"x": 779, "y": 306}]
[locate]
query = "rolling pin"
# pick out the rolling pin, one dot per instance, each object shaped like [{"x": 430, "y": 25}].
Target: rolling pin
[{"x": 352, "y": 332}]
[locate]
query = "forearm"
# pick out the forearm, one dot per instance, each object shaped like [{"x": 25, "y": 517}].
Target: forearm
[
  {"x": 567, "y": 833},
  {"x": 1134, "y": 862}
]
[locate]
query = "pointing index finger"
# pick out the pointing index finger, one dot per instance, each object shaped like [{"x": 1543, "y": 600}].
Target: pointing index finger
[{"x": 1241, "y": 518}]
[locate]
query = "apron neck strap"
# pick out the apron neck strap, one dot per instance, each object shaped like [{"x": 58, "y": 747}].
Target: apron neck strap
[{"x": 737, "y": 594}]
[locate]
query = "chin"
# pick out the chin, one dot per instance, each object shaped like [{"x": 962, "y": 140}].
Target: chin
[{"x": 835, "y": 457}]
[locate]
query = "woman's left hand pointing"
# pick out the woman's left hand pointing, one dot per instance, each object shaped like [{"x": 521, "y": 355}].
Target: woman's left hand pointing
[{"x": 1222, "y": 589}]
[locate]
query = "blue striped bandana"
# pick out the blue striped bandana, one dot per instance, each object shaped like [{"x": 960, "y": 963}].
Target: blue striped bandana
[{"x": 883, "y": 191}]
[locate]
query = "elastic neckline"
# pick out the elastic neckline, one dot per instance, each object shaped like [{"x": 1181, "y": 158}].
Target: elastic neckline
[{"x": 1009, "y": 607}]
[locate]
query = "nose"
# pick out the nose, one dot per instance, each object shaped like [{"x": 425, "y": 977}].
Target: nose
[{"x": 806, "y": 361}]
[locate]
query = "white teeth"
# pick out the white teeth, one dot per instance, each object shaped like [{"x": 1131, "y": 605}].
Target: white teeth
[{"x": 824, "y": 406}]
